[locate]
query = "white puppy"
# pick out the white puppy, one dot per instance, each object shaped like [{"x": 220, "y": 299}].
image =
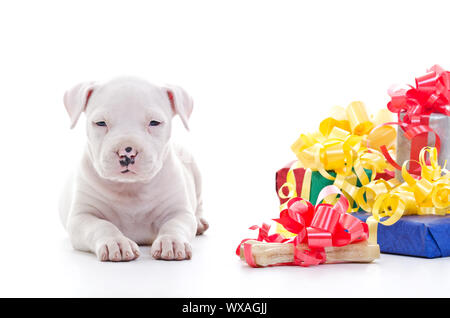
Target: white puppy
[{"x": 133, "y": 185}]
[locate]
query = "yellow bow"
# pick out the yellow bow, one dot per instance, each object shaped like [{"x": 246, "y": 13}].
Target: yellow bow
[
  {"x": 340, "y": 145},
  {"x": 428, "y": 195}
]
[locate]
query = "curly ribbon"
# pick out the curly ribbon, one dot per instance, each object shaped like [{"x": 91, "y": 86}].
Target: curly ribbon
[
  {"x": 427, "y": 195},
  {"x": 317, "y": 226},
  {"x": 339, "y": 145},
  {"x": 414, "y": 105},
  {"x": 415, "y": 133}
]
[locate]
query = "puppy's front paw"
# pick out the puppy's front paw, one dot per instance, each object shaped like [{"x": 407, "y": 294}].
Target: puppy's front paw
[
  {"x": 169, "y": 248},
  {"x": 117, "y": 249}
]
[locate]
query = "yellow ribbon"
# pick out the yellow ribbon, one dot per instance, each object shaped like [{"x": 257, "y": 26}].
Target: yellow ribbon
[
  {"x": 340, "y": 145},
  {"x": 428, "y": 195}
]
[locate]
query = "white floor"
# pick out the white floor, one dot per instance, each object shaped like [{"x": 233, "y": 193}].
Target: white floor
[{"x": 59, "y": 271}]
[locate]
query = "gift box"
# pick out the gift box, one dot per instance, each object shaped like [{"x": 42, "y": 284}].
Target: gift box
[
  {"x": 415, "y": 235},
  {"x": 412, "y": 216},
  {"x": 423, "y": 115},
  {"x": 440, "y": 124}
]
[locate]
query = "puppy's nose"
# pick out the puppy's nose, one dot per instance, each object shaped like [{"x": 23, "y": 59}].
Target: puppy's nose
[
  {"x": 127, "y": 152},
  {"x": 127, "y": 156}
]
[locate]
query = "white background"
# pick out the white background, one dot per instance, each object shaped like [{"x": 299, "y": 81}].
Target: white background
[{"x": 260, "y": 73}]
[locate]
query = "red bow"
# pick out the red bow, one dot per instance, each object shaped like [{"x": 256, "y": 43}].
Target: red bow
[
  {"x": 431, "y": 95},
  {"x": 317, "y": 226}
]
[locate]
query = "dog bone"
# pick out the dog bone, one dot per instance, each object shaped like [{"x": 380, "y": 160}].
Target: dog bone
[{"x": 265, "y": 254}]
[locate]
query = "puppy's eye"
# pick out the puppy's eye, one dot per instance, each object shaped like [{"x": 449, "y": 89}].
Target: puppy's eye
[
  {"x": 101, "y": 123},
  {"x": 154, "y": 123}
]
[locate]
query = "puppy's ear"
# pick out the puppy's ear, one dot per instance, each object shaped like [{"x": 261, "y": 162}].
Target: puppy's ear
[
  {"x": 180, "y": 102},
  {"x": 76, "y": 100}
]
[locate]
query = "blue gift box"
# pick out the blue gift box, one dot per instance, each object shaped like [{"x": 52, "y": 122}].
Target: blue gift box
[{"x": 414, "y": 235}]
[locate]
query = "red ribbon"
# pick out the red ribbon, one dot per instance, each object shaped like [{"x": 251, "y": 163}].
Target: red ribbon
[
  {"x": 414, "y": 106},
  {"x": 431, "y": 95},
  {"x": 317, "y": 226},
  {"x": 418, "y": 136},
  {"x": 263, "y": 236}
]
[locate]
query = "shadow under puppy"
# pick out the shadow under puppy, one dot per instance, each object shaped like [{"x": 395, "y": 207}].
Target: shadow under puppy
[{"x": 133, "y": 186}]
